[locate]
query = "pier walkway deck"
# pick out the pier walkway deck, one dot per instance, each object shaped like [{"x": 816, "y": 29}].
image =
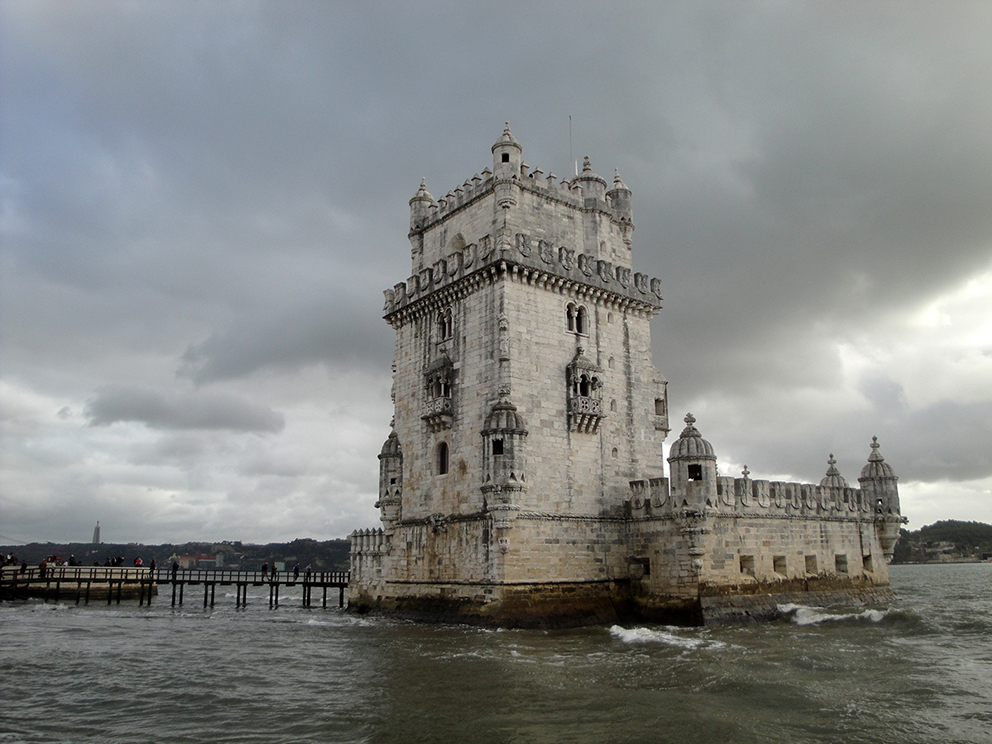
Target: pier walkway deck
[{"x": 82, "y": 583}]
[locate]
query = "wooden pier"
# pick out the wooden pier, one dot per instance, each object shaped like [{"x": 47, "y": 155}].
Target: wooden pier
[{"x": 82, "y": 583}]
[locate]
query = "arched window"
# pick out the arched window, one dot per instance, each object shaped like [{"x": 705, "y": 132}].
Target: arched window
[
  {"x": 445, "y": 326},
  {"x": 442, "y": 458},
  {"x": 576, "y": 319},
  {"x": 584, "y": 386}
]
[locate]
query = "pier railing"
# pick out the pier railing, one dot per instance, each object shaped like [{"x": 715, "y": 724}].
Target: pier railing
[{"x": 145, "y": 581}]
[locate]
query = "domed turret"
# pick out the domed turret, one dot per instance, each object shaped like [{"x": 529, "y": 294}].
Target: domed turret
[
  {"x": 504, "y": 418},
  {"x": 690, "y": 443},
  {"x": 619, "y": 198},
  {"x": 420, "y": 206},
  {"x": 504, "y": 479},
  {"x": 390, "y": 482},
  {"x": 507, "y": 154},
  {"x": 879, "y": 484},
  {"x": 593, "y": 186},
  {"x": 693, "y": 468},
  {"x": 833, "y": 478},
  {"x": 876, "y": 467}
]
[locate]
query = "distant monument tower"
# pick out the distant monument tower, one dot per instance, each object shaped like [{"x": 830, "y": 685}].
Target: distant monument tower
[{"x": 96, "y": 534}]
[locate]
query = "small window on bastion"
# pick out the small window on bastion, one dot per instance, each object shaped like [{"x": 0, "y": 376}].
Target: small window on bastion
[
  {"x": 497, "y": 446},
  {"x": 695, "y": 472},
  {"x": 747, "y": 565},
  {"x": 506, "y": 157},
  {"x": 811, "y": 564},
  {"x": 840, "y": 564},
  {"x": 659, "y": 406},
  {"x": 778, "y": 565}
]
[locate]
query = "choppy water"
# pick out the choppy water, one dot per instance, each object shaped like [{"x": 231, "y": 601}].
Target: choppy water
[{"x": 919, "y": 671}]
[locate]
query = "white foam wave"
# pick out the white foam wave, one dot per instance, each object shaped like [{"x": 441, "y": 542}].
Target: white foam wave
[
  {"x": 802, "y": 615},
  {"x": 666, "y": 635}
]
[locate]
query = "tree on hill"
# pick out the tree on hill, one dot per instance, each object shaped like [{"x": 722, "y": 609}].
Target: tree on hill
[{"x": 944, "y": 540}]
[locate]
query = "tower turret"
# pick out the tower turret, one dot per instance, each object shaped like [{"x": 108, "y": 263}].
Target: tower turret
[
  {"x": 507, "y": 155},
  {"x": 693, "y": 468},
  {"x": 420, "y": 206},
  {"x": 504, "y": 481},
  {"x": 618, "y": 198},
  {"x": 879, "y": 482},
  {"x": 390, "y": 482},
  {"x": 593, "y": 186},
  {"x": 420, "y": 210}
]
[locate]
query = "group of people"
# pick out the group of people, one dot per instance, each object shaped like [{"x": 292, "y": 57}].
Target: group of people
[{"x": 296, "y": 572}]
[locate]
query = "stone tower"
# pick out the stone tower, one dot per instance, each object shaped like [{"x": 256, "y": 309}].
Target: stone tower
[
  {"x": 523, "y": 480},
  {"x": 525, "y": 395}
]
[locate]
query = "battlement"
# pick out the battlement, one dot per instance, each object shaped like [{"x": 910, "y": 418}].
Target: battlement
[
  {"x": 563, "y": 267},
  {"x": 746, "y": 497},
  {"x": 570, "y": 193},
  {"x": 511, "y": 198}
]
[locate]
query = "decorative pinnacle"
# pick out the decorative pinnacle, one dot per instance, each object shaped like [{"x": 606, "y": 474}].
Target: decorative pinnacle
[
  {"x": 745, "y": 472},
  {"x": 586, "y": 165},
  {"x": 689, "y": 419},
  {"x": 875, "y": 455}
]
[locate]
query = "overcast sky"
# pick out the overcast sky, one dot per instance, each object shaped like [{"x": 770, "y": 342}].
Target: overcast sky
[{"x": 201, "y": 202}]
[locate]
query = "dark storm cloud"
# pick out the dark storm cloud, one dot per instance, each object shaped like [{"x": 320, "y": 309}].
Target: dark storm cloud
[
  {"x": 199, "y": 410},
  {"x": 220, "y": 190}
]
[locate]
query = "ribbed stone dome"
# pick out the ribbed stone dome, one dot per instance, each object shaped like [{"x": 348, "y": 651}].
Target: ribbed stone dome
[
  {"x": 422, "y": 195},
  {"x": 507, "y": 138},
  {"x": 833, "y": 477},
  {"x": 391, "y": 447},
  {"x": 876, "y": 467},
  {"x": 690, "y": 444},
  {"x": 504, "y": 418}
]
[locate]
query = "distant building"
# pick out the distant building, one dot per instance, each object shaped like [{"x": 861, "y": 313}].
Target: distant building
[
  {"x": 523, "y": 481},
  {"x": 96, "y": 534}
]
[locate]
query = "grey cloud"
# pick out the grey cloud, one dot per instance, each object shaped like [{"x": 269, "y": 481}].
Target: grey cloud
[
  {"x": 332, "y": 331},
  {"x": 198, "y": 410}
]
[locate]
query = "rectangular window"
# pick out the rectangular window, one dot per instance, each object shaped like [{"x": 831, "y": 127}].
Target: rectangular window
[
  {"x": 695, "y": 472},
  {"x": 659, "y": 406},
  {"x": 867, "y": 563},
  {"x": 840, "y": 564},
  {"x": 778, "y": 565},
  {"x": 811, "y": 564},
  {"x": 497, "y": 446},
  {"x": 747, "y": 565}
]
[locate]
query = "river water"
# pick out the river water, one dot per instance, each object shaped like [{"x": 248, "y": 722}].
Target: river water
[{"x": 918, "y": 671}]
